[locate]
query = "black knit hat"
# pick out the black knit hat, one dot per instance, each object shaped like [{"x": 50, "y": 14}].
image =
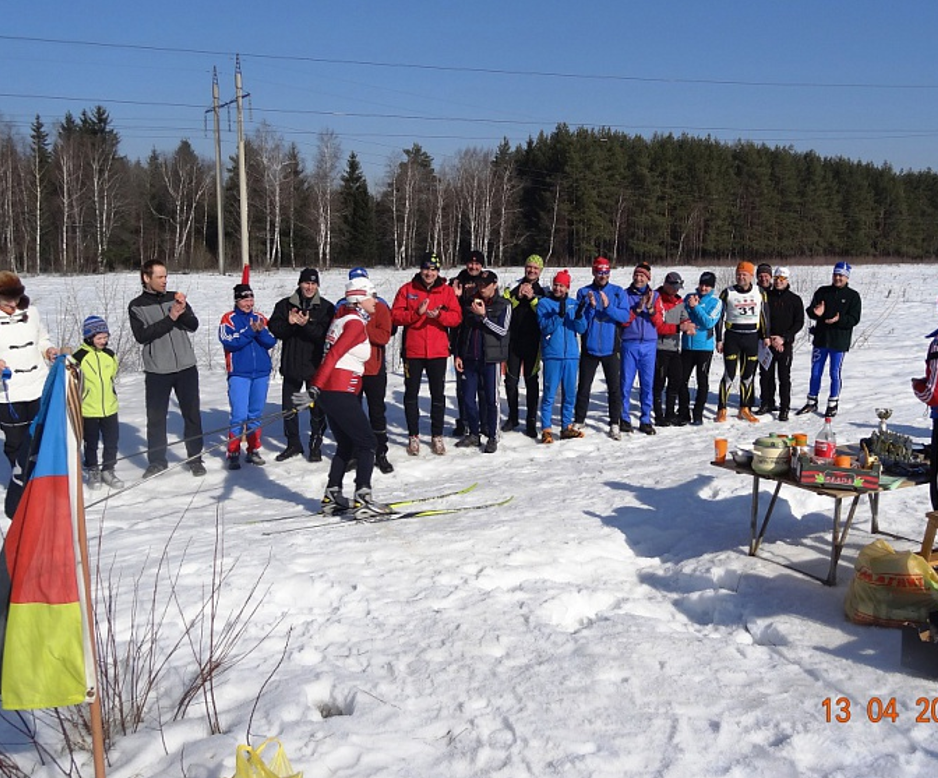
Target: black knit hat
[
  {"x": 241, "y": 291},
  {"x": 309, "y": 274},
  {"x": 708, "y": 279}
]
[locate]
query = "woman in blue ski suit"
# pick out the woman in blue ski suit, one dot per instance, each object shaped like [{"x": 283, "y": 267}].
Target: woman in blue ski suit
[{"x": 247, "y": 343}]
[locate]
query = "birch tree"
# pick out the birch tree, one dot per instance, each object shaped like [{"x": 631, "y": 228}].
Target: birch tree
[
  {"x": 273, "y": 165},
  {"x": 70, "y": 188},
  {"x": 324, "y": 178},
  {"x": 184, "y": 179},
  {"x": 100, "y": 146}
]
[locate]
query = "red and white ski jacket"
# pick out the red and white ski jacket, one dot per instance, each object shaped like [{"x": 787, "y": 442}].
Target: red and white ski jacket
[
  {"x": 347, "y": 351},
  {"x": 926, "y": 389}
]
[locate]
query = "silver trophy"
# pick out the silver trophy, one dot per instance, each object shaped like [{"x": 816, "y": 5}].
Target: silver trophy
[{"x": 883, "y": 414}]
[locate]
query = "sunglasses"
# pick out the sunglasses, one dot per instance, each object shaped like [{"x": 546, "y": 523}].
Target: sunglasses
[{"x": 602, "y": 272}]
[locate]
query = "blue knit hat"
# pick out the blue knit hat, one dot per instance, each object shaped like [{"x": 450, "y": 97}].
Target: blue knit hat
[
  {"x": 357, "y": 272},
  {"x": 842, "y": 269},
  {"x": 92, "y": 326}
]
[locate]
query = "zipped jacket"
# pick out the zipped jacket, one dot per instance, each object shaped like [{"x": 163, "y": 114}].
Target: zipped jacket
[
  {"x": 524, "y": 326},
  {"x": 642, "y": 325},
  {"x": 705, "y": 317},
  {"x": 485, "y": 338},
  {"x": 426, "y": 337},
  {"x": 603, "y": 330},
  {"x": 669, "y": 332},
  {"x": 347, "y": 351},
  {"x": 247, "y": 351},
  {"x": 786, "y": 314},
  {"x": 98, "y": 371},
  {"x": 303, "y": 344},
  {"x": 844, "y": 301},
  {"x": 166, "y": 344},
  {"x": 561, "y": 320}
]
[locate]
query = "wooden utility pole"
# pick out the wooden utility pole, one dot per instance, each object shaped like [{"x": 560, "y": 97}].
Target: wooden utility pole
[
  {"x": 242, "y": 178},
  {"x": 219, "y": 173}
]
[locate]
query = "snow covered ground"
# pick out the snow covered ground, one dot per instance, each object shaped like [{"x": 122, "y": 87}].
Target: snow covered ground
[{"x": 607, "y": 622}]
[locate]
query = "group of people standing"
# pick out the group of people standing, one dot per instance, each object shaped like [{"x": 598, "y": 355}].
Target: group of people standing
[{"x": 332, "y": 355}]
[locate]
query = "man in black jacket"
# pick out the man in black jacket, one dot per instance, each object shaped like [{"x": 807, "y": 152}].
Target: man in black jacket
[
  {"x": 465, "y": 285},
  {"x": 786, "y": 320},
  {"x": 524, "y": 346},
  {"x": 301, "y": 321},
  {"x": 835, "y": 311},
  {"x": 481, "y": 348}
]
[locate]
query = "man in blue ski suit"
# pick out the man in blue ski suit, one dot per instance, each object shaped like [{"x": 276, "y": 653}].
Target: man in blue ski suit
[
  {"x": 605, "y": 311},
  {"x": 640, "y": 345}
]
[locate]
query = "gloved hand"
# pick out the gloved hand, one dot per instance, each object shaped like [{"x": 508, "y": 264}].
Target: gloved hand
[{"x": 303, "y": 400}]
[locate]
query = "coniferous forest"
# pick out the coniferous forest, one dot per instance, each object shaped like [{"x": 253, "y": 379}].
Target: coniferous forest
[{"x": 72, "y": 203}]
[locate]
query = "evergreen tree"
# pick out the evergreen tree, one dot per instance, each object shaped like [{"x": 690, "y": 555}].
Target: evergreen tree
[{"x": 357, "y": 243}]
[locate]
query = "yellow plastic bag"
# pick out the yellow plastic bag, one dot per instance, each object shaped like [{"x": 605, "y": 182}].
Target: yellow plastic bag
[
  {"x": 249, "y": 762},
  {"x": 891, "y": 589}
]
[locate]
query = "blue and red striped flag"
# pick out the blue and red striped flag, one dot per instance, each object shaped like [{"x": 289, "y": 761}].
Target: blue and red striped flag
[{"x": 45, "y": 637}]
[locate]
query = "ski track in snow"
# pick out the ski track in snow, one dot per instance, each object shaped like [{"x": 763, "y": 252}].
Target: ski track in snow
[{"x": 607, "y": 622}]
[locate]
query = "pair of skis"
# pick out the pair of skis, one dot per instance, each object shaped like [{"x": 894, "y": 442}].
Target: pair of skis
[{"x": 352, "y": 516}]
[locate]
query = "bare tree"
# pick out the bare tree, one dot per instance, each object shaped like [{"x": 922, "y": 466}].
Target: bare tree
[
  {"x": 410, "y": 188},
  {"x": 475, "y": 187},
  {"x": 275, "y": 167},
  {"x": 100, "y": 146},
  {"x": 324, "y": 179},
  {"x": 70, "y": 186},
  {"x": 9, "y": 167},
  {"x": 185, "y": 179}
]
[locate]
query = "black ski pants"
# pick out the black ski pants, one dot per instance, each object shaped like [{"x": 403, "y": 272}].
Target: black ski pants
[
  {"x": 353, "y": 437},
  {"x": 291, "y": 421},
  {"x": 374, "y": 389},
  {"x": 698, "y": 362},
  {"x": 612, "y": 371},
  {"x": 781, "y": 362},
  {"x": 436, "y": 377},
  {"x": 104, "y": 428},
  {"x": 523, "y": 358},
  {"x": 157, "y": 388}
]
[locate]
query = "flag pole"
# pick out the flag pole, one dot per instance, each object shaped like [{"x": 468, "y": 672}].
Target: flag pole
[{"x": 97, "y": 720}]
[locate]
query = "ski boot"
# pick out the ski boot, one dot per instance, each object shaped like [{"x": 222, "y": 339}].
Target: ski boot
[
  {"x": 333, "y": 502},
  {"x": 366, "y": 508}
]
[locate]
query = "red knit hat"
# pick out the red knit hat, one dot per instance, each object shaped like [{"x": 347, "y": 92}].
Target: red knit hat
[
  {"x": 645, "y": 268},
  {"x": 601, "y": 263},
  {"x": 563, "y": 277}
]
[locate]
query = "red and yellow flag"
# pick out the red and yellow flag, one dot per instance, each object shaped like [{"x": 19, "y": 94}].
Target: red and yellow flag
[{"x": 45, "y": 637}]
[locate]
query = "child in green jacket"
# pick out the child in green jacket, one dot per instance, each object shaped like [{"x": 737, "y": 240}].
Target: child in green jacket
[{"x": 98, "y": 402}]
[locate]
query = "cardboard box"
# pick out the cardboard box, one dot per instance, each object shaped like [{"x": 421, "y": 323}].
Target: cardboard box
[{"x": 829, "y": 476}]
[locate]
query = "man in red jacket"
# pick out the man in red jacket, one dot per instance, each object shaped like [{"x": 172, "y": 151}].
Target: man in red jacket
[{"x": 426, "y": 307}]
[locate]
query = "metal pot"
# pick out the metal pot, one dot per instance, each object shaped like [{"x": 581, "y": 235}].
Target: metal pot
[{"x": 771, "y": 455}]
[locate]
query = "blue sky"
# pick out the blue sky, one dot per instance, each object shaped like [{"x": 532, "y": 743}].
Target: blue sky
[{"x": 853, "y": 79}]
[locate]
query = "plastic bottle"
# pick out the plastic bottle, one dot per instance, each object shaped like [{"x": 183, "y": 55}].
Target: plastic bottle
[{"x": 825, "y": 444}]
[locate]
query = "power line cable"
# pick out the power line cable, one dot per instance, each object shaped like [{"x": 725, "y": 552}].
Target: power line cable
[{"x": 465, "y": 69}]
